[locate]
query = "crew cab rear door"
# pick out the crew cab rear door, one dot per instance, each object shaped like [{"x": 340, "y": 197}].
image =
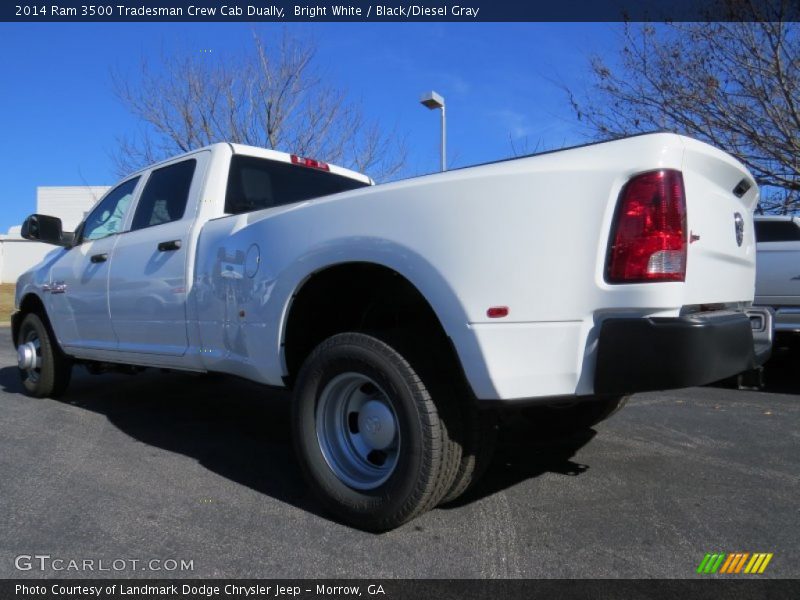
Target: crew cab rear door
[{"x": 148, "y": 277}]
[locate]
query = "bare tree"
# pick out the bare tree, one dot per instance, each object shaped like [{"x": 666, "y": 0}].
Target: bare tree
[
  {"x": 273, "y": 97},
  {"x": 524, "y": 146},
  {"x": 734, "y": 84}
]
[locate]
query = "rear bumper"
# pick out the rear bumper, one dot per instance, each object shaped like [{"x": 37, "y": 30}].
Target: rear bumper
[
  {"x": 641, "y": 354},
  {"x": 787, "y": 319},
  {"x": 762, "y": 322}
]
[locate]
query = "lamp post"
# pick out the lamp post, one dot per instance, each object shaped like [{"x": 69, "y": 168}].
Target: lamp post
[{"x": 433, "y": 100}]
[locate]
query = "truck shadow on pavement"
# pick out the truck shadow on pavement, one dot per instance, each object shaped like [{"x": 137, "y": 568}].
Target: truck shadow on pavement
[
  {"x": 523, "y": 454},
  {"x": 780, "y": 375},
  {"x": 241, "y": 431}
]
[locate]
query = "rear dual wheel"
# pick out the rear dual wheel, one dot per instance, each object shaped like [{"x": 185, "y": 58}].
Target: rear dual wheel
[{"x": 377, "y": 444}]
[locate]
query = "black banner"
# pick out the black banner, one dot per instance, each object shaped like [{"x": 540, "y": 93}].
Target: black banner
[
  {"x": 400, "y": 10},
  {"x": 456, "y": 589}
]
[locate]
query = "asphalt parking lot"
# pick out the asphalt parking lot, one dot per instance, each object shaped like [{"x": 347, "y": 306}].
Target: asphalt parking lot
[{"x": 170, "y": 466}]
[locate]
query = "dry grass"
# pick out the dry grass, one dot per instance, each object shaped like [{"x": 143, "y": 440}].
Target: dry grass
[{"x": 6, "y": 301}]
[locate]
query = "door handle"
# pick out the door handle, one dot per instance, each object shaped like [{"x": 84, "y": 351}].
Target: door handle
[
  {"x": 99, "y": 258},
  {"x": 169, "y": 246}
]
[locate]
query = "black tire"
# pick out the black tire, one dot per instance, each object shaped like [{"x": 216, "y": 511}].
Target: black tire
[
  {"x": 53, "y": 375},
  {"x": 571, "y": 418},
  {"x": 456, "y": 410},
  {"x": 425, "y": 460}
]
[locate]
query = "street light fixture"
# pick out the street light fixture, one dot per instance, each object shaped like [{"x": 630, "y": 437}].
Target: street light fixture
[{"x": 433, "y": 100}]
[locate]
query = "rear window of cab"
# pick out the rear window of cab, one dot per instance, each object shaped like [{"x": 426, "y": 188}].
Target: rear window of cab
[{"x": 258, "y": 183}]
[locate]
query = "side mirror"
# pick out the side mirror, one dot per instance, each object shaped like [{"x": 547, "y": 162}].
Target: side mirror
[{"x": 43, "y": 228}]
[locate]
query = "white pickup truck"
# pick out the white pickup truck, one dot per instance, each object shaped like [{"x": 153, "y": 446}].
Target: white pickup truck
[
  {"x": 778, "y": 272},
  {"x": 398, "y": 313}
]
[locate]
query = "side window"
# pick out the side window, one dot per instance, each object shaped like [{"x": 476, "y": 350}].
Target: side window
[
  {"x": 777, "y": 231},
  {"x": 108, "y": 217},
  {"x": 165, "y": 195}
]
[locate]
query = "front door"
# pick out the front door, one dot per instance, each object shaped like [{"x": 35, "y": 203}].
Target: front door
[{"x": 77, "y": 294}]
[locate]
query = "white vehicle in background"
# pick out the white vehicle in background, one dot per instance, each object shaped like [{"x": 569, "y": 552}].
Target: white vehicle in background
[
  {"x": 403, "y": 316},
  {"x": 778, "y": 270}
]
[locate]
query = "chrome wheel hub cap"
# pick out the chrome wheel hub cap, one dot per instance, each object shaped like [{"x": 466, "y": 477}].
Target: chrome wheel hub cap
[
  {"x": 27, "y": 356},
  {"x": 357, "y": 431}
]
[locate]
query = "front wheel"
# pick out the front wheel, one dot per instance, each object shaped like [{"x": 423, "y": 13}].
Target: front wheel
[
  {"x": 43, "y": 368},
  {"x": 370, "y": 438}
]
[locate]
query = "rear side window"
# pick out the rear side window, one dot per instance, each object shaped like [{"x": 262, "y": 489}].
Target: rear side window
[
  {"x": 777, "y": 231},
  {"x": 257, "y": 183},
  {"x": 165, "y": 195}
]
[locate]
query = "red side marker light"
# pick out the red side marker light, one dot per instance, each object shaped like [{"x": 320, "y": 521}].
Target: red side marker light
[{"x": 497, "y": 312}]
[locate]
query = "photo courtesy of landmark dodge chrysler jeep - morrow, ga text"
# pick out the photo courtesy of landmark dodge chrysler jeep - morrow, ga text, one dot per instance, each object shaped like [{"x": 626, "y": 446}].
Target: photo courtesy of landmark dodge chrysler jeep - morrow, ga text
[{"x": 405, "y": 316}]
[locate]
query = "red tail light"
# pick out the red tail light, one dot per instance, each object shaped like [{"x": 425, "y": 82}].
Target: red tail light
[
  {"x": 648, "y": 242},
  {"x": 310, "y": 162}
]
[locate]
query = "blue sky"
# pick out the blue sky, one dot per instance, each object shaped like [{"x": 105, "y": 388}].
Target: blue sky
[{"x": 59, "y": 118}]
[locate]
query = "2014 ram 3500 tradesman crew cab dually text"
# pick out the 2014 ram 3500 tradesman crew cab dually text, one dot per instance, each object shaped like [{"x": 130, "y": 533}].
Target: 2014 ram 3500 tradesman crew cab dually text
[{"x": 400, "y": 313}]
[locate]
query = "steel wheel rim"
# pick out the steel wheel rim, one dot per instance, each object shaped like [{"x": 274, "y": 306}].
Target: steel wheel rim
[
  {"x": 357, "y": 431},
  {"x": 33, "y": 373}
]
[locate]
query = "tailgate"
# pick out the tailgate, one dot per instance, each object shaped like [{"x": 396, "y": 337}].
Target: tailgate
[{"x": 720, "y": 198}]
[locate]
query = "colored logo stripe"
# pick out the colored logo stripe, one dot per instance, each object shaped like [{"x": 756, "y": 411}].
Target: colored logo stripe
[
  {"x": 728, "y": 563},
  {"x": 710, "y": 563},
  {"x": 734, "y": 563},
  {"x": 737, "y": 563},
  {"x": 758, "y": 563}
]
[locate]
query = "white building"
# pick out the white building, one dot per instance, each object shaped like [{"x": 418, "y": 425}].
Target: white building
[{"x": 68, "y": 203}]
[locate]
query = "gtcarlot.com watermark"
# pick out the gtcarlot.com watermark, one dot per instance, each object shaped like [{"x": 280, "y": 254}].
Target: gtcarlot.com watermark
[{"x": 48, "y": 563}]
